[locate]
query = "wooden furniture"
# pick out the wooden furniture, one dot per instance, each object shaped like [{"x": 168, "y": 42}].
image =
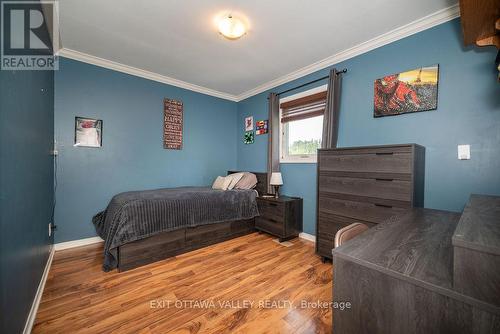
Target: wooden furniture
[
  {"x": 480, "y": 21},
  {"x": 365, "y": 185},
  {"x": 481, "y": 24},
  {"x": 80, "y": 298},
  {"x": 476, "y": 250},
  {"x": 281, "y": 216},
  {"x": 403, "y": 277},
  {"x": 167, "y": 244}
]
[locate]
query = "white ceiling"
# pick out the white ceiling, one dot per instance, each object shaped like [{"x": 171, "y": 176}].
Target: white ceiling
[{"x": 179, "y": 39}]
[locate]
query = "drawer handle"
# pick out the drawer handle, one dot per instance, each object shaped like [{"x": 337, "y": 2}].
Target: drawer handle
[
  {"x": 272, "y": 220},
  {"x": 273, "y": 204},
  {"x": 383, "y": 179},
  {"x": 384, "y": 153},
  {"x": 383, "y": 205}
]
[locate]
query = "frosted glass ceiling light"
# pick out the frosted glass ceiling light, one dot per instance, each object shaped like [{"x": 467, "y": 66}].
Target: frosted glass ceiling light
[{"x": 231, "y": 27}]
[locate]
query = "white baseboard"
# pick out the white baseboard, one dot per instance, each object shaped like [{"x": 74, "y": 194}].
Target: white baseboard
[
  {"x": 307, "y": 236},
  {"x": 77, "y": 243},
  {"x": 39, "y": 292}
]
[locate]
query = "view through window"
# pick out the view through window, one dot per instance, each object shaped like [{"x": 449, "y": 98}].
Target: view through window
[
  {"x": 302, "y": 126},
  {"x": 304, "y": 136}
]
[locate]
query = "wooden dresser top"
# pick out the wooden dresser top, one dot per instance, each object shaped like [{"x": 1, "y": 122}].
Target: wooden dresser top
[
  {"x": 415, "y": 246},
  {"x": 372, "y": 147},
  {"x": 479, "y": 226}
]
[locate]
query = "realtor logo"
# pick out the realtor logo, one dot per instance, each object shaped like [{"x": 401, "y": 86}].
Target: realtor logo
[{"x": 29, "y": 35}]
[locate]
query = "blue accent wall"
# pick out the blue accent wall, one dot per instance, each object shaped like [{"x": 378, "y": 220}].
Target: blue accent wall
[
  {"x": 26, "y": 190},
  {"x": 132, "y": 156},
  {"x": 468, "y": 113}
]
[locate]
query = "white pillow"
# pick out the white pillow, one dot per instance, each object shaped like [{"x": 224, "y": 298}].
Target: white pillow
[
  {"x": 235, "y": 178},
  {"x": 221, "y": 183},
  {"x": 248, "y": 181}
]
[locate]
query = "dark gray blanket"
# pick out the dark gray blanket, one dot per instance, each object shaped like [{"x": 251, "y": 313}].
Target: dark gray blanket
[{"x": 139, "y": 214}]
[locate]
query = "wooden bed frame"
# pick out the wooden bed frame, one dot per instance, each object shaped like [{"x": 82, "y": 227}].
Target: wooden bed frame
[{"x": 167, "y": 244}]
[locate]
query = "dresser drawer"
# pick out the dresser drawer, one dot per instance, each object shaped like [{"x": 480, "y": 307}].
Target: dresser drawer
[
  {"x": 385, "y": 188},
  {"x": 199, "y": 234},
  {"x": 387, "y": 160},
  {"x": 329, "y": 224},
  {"x": 269, "y": 225},
  {"x": 325, "y": 246},
  {"x": 364, "y": 211}
]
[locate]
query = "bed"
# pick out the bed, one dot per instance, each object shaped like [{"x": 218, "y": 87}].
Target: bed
[{"x": 142, "y": 227}]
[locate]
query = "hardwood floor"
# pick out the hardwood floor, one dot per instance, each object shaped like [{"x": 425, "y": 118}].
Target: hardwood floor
[{"x": 203, "y": 291}]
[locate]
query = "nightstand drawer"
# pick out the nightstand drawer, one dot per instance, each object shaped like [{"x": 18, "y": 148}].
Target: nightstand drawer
[
  {"x": 271, "y": 210},
  {"x": 281, "y": 216},
  {"x": 269, "y": 225},
  {"x": 276, "y": 215},
  {"x": 270, "y": 205}
]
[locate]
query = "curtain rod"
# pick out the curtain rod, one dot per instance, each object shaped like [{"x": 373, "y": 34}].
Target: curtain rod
[{"x": 310, "y": 82}]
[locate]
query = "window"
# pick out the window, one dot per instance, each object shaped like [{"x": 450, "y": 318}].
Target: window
[{"x": 301, "y": 125}]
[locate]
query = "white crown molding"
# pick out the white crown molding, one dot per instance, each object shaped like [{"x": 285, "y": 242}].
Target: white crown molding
[
  {"x": 77, "y": 243},
  {"x": 409, "y": 29},
  {"x": 39, "y": 292},
  {"x": 426, "y": 22},
  {"x": 89, "y": 59}
]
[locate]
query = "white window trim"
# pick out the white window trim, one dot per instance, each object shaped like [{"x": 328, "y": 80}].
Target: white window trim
[{"x": 304, "y": 159}]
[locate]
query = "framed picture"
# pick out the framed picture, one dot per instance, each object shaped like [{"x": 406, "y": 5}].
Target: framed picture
[
  {"x": 406, "y": 92},
  {"x": 249, "y": 123},
  {"x": 88, "y": 132},
  {"x": 249, "y": 137},
  {"x": 261, "y": 127}
]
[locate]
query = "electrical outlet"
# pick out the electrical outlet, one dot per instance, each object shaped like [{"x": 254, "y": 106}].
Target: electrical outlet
[
  {"x": 50, "y": 229},
  {"x": 464, "y": 152}
]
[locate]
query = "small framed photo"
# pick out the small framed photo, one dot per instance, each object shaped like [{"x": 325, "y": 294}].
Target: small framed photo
[
  {"x": 261, "y": 127},
  {"x": 249, "y": 137},
  {"x": 249, "y": 123},
  {"x": 88, "y": 132}
]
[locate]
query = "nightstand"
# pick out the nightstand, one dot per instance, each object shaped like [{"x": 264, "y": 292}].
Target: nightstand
[{"x": 281, "y": 216}]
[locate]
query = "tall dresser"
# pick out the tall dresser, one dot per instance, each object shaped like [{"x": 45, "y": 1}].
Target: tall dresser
[{"x": 365, "y": 185}]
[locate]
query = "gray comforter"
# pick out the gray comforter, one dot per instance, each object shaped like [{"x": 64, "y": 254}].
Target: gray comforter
[{"x": 139, "y": 214}]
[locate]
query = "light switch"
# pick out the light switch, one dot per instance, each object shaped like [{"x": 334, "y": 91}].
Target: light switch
[{"x": 464, "y": 152}]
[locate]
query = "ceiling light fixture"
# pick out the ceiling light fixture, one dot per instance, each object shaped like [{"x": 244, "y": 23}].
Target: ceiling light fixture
[{"x": 231, "y": 27}]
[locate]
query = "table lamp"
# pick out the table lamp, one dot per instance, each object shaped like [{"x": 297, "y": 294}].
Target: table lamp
[{"x": 276, "y": 181}]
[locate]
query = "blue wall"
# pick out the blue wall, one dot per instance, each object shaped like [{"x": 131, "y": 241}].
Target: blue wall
[
  {"x": 26, "y": 189},
  {"x": 132, "y": 156},
  {"x": 468, "y": 113}
]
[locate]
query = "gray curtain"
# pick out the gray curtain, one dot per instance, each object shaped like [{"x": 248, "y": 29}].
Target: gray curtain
[
  {"x": 273, "y": 151},
  {"x": 331, "y": 118}
]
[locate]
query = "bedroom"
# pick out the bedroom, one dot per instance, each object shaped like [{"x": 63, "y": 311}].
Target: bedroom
[{"x": 156, "y": 97}]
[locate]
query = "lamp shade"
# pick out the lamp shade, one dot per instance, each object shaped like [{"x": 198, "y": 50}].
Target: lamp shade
[{"x": 276, "y": 179}]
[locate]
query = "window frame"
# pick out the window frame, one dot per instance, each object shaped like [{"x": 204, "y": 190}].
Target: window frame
[{"x": 300, "y": 159}]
